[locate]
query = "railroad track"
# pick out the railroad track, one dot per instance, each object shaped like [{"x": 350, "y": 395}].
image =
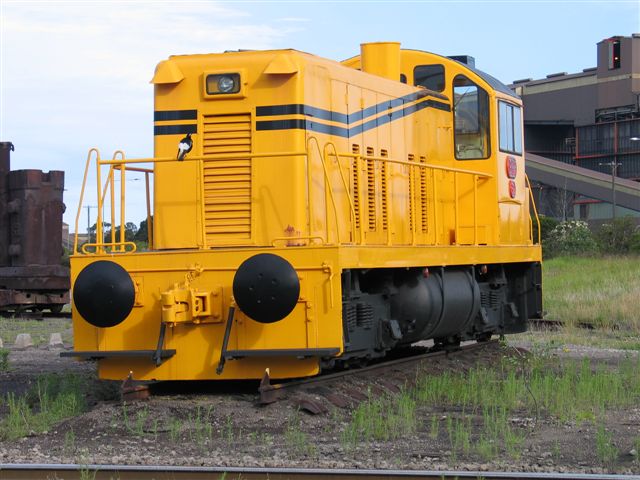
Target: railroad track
[
  {"x": 35, "y": 315},
  {"x": 391, "y": 375},
  {"x": 547, "y": 324},
  {"x": 126, "y": 472},
  {"x": 343, "y": 388}
]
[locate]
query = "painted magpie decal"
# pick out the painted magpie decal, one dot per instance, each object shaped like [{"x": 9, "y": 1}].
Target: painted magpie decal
[{"x": 185, "y": 146}]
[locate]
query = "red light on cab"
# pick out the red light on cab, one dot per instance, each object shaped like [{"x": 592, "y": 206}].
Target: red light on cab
[{"x": 512, "y": 167}]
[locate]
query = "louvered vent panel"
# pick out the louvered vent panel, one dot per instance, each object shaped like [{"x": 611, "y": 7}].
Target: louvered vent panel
[
  {"x": 423, "y": 196},
  {"x": 227, "y": 183},
  {"x": 355, "y": 149},
  {"x": 412, "y": 200},
  {"x": 371, "y": 191},
  {"x": 383, "y": 190}
]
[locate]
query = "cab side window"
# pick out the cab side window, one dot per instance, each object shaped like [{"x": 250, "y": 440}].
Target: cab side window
[
  {"x": 471, "y": 120},
  {"x": 510, "y": 118},
  {"x": 429, "y": 76}
]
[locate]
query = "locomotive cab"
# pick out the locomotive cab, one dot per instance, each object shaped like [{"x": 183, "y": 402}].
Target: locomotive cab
[{"x": 308, "y": 213}]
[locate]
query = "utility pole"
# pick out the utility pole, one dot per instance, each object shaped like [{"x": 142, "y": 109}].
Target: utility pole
[{"x": 614, "y": 168}]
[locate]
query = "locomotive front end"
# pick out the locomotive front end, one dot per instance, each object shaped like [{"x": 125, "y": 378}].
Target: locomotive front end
[{"x": 228, "y": 286}]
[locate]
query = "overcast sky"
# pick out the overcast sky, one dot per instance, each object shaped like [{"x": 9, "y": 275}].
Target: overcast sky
[{"x": 76, "y": 74}]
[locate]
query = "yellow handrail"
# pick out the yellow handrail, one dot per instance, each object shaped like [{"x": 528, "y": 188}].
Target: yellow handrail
[
  {"x": 535, "y": 211},
  {"x": 327, "y": 184},
  {"x": 84, "y": 182},
  {"x": 99, "y": 246},
  {"x": 225, "y": 156},
  {"x": 417, "y": 164},
  {"x": 344, "y": 181},
  {"x": 476, "y": 175},
  {"x": 120, "y": 162}
]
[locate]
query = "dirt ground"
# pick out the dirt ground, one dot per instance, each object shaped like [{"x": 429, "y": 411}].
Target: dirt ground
[{"x": 221, "y": 425}]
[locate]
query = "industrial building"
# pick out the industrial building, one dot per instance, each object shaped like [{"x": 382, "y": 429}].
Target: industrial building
[{"x": 589, "y": 119}]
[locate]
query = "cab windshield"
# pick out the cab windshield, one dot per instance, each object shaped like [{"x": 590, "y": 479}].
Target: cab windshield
[{"x": 471, "y": 120}]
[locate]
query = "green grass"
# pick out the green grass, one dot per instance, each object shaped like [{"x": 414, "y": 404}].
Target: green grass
[
  {"x": 605, "y": 449},
  {"x": 381, "y": 418},
  {"x": 297, "y": 440},
  {"x": 40, "y": 330},
  {"x": 4, "y": 360},
  {"x": 52, "y": 399},
  {"x": 135, "y": 424},
  {"x": 565, "y": 392},
  {"x": 490, "y": 398},
  {"x": 599, "y": 291},
  {"x": 567, "y": 337}
]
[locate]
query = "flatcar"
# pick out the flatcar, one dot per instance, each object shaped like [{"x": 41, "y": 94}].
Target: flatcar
[{"x": 309, "y": 214}]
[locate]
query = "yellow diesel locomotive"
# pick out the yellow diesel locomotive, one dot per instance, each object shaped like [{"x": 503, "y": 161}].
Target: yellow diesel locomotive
[{"x": 305, "y": 214}]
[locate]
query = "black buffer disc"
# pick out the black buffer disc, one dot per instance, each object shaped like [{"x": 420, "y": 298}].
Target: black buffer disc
[
  {"x": 103, "y": 294},
  {"x": 266, "y": 287}
]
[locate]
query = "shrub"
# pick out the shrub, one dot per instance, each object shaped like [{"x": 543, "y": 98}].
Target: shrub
[
  {"x": 634, "y": 243},
  {"x": 547, "y": 224},
  {"x": 622, "y": 235},
  {"x": 570, "y": 238}
]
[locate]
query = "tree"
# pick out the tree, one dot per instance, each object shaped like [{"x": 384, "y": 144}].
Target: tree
[
  {"x": 130, "y": 230},
  {"x": 141, "y": 234}
]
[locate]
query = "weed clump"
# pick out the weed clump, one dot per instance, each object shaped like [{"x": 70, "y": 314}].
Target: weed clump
[
  {"x": 493, "y": 408},
  {"x": 4, "y": 360},
  {"x": 52, "y": 399}
]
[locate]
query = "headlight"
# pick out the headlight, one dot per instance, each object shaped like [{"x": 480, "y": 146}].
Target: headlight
[
  {"x": 223, "y": 83},
  {"x": 226, "y": 84}
]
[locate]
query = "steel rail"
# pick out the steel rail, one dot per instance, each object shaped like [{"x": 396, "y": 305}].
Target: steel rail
[
  {"x": 270, "y": 393},
  {"x": 15, "y": 471},
  {"x": 34, "y": 315}
]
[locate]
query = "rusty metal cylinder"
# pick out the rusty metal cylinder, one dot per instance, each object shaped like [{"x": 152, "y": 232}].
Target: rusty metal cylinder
[
  {"x": 381, "y": 58},
  {"x": 5, "y": 166}
]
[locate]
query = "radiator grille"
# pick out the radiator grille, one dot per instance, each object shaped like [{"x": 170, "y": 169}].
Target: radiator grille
[{"x": 227, "y": 183}]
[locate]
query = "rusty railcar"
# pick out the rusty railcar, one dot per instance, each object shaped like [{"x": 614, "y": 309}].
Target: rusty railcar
[{"x": 31, "y": 208}]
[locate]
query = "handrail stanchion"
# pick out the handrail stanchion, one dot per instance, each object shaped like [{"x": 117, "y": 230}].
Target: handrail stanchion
[
  {"x": 412, "y": 203},
  {"x": 384, "y": 197},
  {"x": 123, "y": 171},
  {"x": 99, "y": 233},
  {"x": 309, "y": 188},
  {"x": 358, "y": 160},
  {"x": 149, "y": 226},
  {"x": 535, "y": 210},
  {"x": 475, "y": 210},
  {"x": 113, "y": 201},
  {"x": 455, "y": 208},
  {"x": 328, "y": 183},
  {"x": 435, "y": 207},
  {"x": 344, "y": 181},
  {"x": 84, "y": 182}
]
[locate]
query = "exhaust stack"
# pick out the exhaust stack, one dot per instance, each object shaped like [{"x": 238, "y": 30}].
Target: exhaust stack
[{"x": 381, "y": 58}]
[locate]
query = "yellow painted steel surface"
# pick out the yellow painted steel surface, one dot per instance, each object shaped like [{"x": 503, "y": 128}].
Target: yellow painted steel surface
[{"x": 313, "y": 160}]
